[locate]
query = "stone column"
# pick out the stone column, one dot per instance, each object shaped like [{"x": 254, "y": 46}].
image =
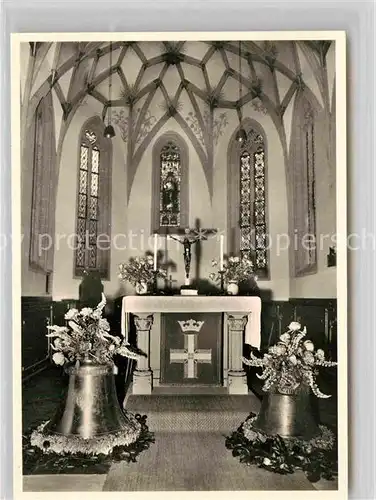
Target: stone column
[
  {"x": 142, "y": 376},
  {"x": 237, "y": 378}
]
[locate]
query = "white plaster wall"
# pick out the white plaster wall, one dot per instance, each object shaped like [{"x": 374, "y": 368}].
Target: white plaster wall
[
  {"x": 113, "y": 287},
  {"x": 321, "y": 285}
]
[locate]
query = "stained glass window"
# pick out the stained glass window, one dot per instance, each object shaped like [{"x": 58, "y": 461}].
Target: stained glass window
[
  {"x": 252, "y": 205},
  {"x": 90, "y": 136},
  {"x": 88, "y": 200},
  {"x": 170, "y": 185}
]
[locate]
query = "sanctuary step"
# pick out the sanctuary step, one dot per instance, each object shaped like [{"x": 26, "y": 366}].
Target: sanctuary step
[{"x": 193, "y": 413}]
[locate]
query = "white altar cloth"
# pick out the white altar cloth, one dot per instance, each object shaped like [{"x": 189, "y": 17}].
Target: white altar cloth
[{"x": 249, "y": 306}]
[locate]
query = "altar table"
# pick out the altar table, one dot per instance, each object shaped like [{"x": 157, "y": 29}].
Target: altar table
[{"x": 242, "y": 323}]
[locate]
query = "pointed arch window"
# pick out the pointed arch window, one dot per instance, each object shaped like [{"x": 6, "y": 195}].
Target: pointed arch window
[
  {"x": 170, "y": 184},
  {"x": 247, "y": 204},
  {"x": 93, "y": 201},
  {"x": 44, "y": 186},
  {"x": 302, "y": 161}
]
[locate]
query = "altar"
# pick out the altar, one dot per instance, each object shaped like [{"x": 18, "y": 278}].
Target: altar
[{"x": 241, "y": 324}]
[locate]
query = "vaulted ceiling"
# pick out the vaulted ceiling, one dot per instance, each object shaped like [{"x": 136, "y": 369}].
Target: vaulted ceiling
[
  {"x": 142, "y": 85},
  {"x": 126, "y": 74}
]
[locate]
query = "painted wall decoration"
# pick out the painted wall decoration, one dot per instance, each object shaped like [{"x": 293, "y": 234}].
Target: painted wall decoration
[
  {"x": 120, "y": 118},
  {"x": 258, "y": 106},
  {"x": 146, "y": 125},
  {"x": 194, "y": 125},
  {"x": 218, "y": 126}
]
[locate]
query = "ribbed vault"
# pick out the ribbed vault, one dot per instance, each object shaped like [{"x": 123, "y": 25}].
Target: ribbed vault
[
  {"x": 207, "y": 70},
  {"x": 203, "y": 77}
]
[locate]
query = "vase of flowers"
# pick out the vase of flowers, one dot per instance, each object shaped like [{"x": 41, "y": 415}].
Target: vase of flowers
[
  {"x": 232, "y": 288},
  {"x": 140, "y": 272},
  {"x": 289, "y": 371},
  {"x": 90, "y": 408},
  {"x": 142, "y": 288},
  {"x": 235, "y": 271}
]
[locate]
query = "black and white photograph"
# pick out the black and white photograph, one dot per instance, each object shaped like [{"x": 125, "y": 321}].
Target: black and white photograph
[{"x": 181, "y": 318}]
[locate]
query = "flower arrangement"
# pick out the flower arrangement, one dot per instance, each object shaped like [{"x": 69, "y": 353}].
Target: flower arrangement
[
  {"x": 235, "y": 269},
  {"x": 59, "y": 452},
  {"x": 140, "y": 270},
  {"x": 317, "y": 458},
  {"x": 103, "y": 444},
  {"x": 291, "y": 363},
  {"x": 86, "y": 338}
]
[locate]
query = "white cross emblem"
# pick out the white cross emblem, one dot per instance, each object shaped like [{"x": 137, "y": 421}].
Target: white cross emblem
[{"x": 190, "y": 356}]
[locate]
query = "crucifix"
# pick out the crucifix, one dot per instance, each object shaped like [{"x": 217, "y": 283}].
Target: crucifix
[
  {"x": 187, "y": 241},
  {"x": 191, "y": 237}
]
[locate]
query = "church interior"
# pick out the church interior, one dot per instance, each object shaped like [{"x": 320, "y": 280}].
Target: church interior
[{"x": 124, "y": 146}]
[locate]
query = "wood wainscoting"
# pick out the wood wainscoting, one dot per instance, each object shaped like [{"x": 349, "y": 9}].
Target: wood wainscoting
[
  {"x": 35, "y": 317},
  {"x": 319, "y": 316},
  {"x": 36, "y": 314}
]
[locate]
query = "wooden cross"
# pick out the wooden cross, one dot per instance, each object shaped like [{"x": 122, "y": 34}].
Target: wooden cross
[{"x": 195, "y": 235}]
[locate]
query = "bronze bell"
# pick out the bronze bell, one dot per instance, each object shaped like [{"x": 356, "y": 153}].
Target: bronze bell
[
  {"x": 90, "y": 406},
  {"x": 288, "y": 415}
]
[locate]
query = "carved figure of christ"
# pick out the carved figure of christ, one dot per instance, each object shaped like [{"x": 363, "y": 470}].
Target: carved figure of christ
[
  {"x": 187, "y": 241},
  {"x": 189, "y": 238}
]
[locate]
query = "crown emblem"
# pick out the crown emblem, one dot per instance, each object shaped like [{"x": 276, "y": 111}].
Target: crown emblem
[{"x": 191, "y": 325}]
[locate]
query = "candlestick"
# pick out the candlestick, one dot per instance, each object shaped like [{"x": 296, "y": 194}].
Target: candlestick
[
  {"x": 155, "y": 282},
  {"x": 222, "y": 274},
  {"x": 221, "y": 252},
  {"x": 155, "y": 250}
]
